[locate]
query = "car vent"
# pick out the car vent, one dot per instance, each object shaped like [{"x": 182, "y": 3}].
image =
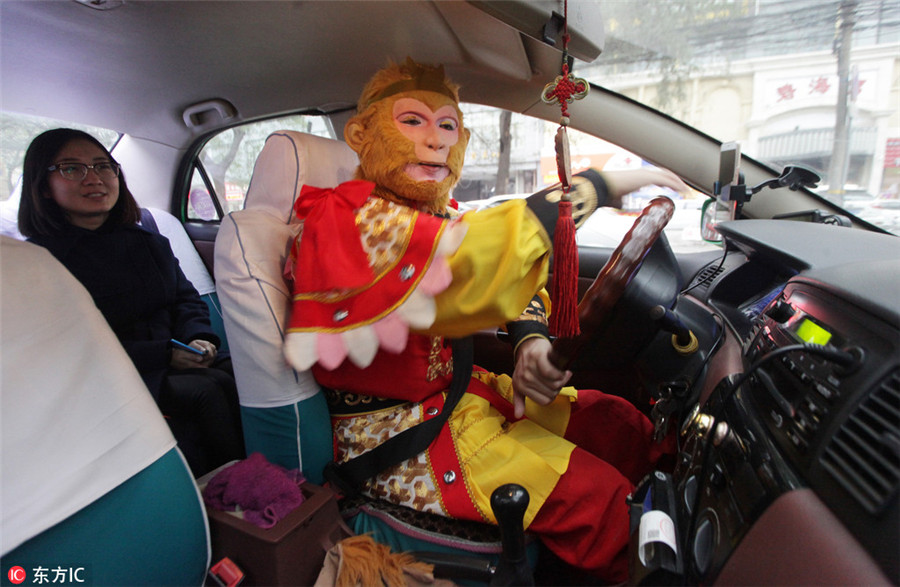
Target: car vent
[
  {"x": 864, "y": 455},
  {"x": 705, "y": 278}
]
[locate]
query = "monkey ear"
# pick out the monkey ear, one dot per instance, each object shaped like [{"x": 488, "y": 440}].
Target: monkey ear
[{"x": 355, "y": 133}]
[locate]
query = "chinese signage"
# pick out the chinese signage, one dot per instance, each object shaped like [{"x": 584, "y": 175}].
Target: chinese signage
[{"x": 806, "y": 89}]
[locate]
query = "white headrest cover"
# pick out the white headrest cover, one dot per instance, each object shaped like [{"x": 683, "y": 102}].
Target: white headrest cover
[
  {"x": 289, "y": 160},
  {"x": 251, "y": 247}
]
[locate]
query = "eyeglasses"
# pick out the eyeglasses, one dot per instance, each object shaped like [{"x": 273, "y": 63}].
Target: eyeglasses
[{"x": 78, "y": 171}]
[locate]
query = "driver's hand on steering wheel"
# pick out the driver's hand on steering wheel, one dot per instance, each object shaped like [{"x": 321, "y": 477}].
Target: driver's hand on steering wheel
[{"x": 535, "y": 376}]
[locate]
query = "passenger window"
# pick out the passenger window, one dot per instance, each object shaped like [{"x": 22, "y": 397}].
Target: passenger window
[{"x": 221, "y": 173}]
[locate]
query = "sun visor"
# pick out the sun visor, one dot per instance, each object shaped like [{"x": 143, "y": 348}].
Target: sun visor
[{"x": 542, "y": 20}]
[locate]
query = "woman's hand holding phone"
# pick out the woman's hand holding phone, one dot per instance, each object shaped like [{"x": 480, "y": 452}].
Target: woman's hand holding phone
[{"x": 199, "y": 353}]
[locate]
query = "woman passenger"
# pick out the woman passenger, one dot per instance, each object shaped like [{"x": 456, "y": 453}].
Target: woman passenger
[{"x": 75, "y": 203}]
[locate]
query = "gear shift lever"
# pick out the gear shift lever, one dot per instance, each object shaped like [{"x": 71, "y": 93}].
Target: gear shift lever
[{"x": 509, "y": 503}]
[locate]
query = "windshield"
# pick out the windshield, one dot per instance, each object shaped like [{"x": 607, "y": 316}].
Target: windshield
[
  {"x": 810, "y": 82},
  {"x": 530, "y": 166}
]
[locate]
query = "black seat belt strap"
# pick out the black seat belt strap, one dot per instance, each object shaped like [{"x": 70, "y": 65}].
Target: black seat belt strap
[{"x": 348, "y": 476}]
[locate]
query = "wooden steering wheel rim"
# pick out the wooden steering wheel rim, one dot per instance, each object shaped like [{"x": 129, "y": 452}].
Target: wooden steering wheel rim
[{"x": 609, "y": 285}]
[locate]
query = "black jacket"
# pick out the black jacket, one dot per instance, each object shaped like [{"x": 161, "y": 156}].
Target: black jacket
[{"x": 138, "y": 285}]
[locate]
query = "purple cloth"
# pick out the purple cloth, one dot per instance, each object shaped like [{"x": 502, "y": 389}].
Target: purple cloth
[{"x": 265, "y": 492}]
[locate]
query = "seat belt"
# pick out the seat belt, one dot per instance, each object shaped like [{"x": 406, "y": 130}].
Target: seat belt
[{"x": 349, "y": 475}]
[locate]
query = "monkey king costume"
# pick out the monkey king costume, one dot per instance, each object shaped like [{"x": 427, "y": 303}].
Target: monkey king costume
[{"x": 385, "y": 273}]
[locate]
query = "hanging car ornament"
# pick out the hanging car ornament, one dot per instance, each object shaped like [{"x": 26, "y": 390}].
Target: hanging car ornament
[{"x": 564, "y": 287}]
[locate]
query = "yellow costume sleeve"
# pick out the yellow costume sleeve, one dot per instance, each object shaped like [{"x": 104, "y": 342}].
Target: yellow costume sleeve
[{"x": 500, "y": 265}]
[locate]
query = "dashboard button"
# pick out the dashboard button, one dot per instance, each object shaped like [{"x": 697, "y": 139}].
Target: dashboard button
[{"x": 824, "y": 391}]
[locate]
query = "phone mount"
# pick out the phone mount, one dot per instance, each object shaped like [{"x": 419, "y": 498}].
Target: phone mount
[{"x": 792, "y": 177}]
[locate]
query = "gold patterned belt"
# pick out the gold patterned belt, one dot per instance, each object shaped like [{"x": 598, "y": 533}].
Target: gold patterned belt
[{"x": 345, "y": 403}]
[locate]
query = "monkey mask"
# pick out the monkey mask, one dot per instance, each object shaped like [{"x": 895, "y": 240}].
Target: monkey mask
[
  {"x": 409, "y": 136},
  {"x": 370, "y": 261}
]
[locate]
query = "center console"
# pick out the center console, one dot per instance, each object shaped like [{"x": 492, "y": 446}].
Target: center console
[{"x": 800, "y": 452}]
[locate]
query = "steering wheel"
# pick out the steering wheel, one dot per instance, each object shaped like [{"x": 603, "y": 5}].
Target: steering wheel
[{"x": 610, "y": 283}]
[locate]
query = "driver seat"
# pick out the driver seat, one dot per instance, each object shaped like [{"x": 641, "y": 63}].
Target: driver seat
[{"x": 284, "y": 412}]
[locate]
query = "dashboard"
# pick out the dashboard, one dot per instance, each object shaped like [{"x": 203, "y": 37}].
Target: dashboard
[{"x": 789, "y": 469}]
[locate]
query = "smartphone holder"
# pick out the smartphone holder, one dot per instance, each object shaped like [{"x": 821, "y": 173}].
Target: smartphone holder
[{"x": 792, "y": 177}]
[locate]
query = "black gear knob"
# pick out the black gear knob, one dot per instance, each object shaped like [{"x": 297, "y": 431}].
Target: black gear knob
[{"x": 509, "y": 503}]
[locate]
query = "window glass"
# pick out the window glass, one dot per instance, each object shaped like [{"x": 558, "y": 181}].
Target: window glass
[
  {"x": 222, "y": 172},
  {"x": 17, "y": 132},
  {"x": 809, "y": 82},
  {"x": 488, "y": 177}
]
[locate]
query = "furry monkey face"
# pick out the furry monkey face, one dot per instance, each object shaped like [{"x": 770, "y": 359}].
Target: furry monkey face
[
  {"x": 412, "y": 145},
  {"x": 432, "y": 133}
]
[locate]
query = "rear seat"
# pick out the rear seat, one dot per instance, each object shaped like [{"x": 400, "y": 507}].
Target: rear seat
[
  {"x": 170, "y": 227},
  {"x": 167, "y": 225}
]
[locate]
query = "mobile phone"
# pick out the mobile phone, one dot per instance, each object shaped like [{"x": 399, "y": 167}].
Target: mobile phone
[
  {"x": 729, "y": 163},
  {"x": 729, "y": 167},
  {"x": 186, "y": 347}
]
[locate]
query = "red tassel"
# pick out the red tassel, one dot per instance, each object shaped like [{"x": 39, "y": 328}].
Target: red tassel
[{"x": 564, "y": 289}]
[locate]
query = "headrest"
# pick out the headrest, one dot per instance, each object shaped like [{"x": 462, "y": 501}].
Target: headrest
[{"x": 288, "y": 161}]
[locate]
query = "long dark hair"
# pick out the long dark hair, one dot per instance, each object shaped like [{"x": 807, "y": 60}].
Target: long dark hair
[{"x": 41, "y": 215}]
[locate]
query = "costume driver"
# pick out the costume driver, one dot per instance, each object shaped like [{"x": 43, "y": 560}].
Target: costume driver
[{"x": 385, "y": 272}]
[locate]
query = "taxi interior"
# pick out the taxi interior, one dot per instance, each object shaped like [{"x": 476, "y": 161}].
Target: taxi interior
[{"x": 788, "y": 409}]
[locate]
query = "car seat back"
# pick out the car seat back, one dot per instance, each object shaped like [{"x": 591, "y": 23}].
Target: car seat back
[
  {"x": 90, "y": 471},
  {"x": 251, "y": 248}
]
